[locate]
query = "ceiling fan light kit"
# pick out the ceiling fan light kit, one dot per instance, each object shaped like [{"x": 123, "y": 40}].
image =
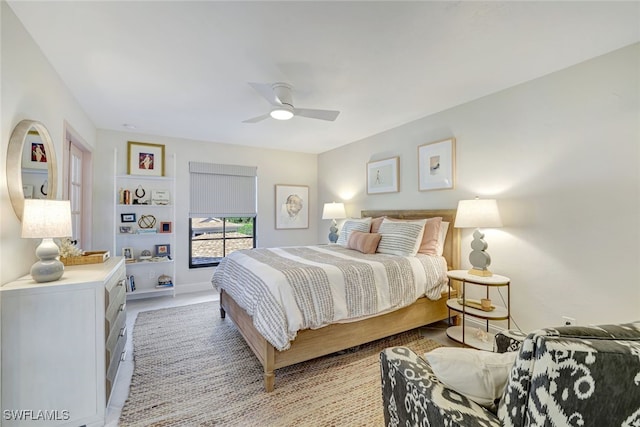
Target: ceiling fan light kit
[
  {"x": 282, "y": 113},
  {"x": 279, "y": 95}
]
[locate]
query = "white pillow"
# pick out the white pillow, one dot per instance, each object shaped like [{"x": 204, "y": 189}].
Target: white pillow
[
  {"x": 400, "y": 238},
  {"x": 359, "y": 224},
  {"x": 479, "y": 375},
  {"x": 444, "y": 227}
]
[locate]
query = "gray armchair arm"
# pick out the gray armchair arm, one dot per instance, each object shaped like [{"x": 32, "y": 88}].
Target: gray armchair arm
[
  {"x": 413, "y": 395},
  {"x": 567, "y": 375}
]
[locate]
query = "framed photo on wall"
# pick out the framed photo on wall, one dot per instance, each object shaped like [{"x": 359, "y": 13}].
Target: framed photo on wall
[
  {"x": 436, "y": 165},
  {"x": 383, "y": 176},
  {"x": 145, "y": 159},
  {"x": 292, "y": 206}
]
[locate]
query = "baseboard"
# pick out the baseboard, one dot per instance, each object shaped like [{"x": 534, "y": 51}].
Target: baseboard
[{"x": 193, "y": 287}]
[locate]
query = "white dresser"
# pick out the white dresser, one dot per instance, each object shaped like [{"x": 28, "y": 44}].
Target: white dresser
[{"x": 62, "y": 343}]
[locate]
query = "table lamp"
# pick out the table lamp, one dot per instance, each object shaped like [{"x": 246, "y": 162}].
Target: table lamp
[
  {"x": 46, "y": 219},
  {"x": 333, "y": 211},
  {"x": 478, "y": 213}
]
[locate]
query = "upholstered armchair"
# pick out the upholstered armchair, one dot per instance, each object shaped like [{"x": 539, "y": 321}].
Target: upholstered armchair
[{"x": 565, "y": 376}]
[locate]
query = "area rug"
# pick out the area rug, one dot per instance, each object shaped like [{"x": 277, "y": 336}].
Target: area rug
[{"x": 193, "y": 368}]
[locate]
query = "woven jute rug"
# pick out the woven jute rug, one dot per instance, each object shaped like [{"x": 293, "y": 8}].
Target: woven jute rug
[{"x": 193, "y": 368}]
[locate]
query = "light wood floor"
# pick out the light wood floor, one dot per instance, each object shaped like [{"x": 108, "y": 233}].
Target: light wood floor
[{"x": 435, "y": 332}]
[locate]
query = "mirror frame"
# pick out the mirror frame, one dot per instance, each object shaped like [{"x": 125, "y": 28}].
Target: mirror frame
[{"x": 14, "y": 163}]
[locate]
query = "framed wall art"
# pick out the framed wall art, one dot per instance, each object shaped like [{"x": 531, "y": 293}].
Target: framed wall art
[
  {"x": 145, "y": 159},
  {"x": 292, "y": 206},
  {"x": 165, "y": 227},
  {"x": 383, "y": 176},
  {"x": 436, "y": 165}
]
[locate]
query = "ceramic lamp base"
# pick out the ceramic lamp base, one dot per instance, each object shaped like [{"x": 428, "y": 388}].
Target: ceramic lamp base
[
  {"x": 49, "y": 268},
  {"x": 333, "y": 232},
  {"x": 47, "y": 271}
]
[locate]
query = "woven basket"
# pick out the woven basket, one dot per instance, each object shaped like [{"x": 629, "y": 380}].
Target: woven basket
[{"x": 89, "y": 257}]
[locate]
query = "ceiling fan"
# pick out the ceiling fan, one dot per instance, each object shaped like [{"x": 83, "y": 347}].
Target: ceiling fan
[{"x": 279, "y": 96}]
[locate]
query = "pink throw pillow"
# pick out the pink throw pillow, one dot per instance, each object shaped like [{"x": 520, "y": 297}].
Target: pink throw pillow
[
  {"x": 376, "y": 223},
  {"x": 367, "y": 243}
]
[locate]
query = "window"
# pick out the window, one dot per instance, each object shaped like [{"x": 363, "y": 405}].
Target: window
[
  {"x": 214, "y": 238},
  {"x": 222, "y": 211}
]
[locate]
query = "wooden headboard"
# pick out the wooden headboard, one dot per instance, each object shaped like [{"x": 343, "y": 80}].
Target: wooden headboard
[{"x": 452, "y": 242}]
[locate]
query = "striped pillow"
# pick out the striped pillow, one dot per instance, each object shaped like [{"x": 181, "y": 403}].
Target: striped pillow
[
  {"x": 362, "y": 224},
  {"x": 401, "y": 238}
]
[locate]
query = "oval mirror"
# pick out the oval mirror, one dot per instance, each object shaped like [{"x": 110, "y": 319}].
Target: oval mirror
[{"x": 31, "y": 164}]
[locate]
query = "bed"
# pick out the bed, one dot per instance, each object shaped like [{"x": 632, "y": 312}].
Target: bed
[{"x": 311, "y": 342}]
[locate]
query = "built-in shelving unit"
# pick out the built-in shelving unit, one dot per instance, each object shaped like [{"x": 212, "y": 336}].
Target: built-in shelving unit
[{"x": 144, "y": 221}]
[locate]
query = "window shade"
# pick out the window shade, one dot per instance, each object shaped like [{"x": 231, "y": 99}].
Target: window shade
[{"x": 222, "y": 190}]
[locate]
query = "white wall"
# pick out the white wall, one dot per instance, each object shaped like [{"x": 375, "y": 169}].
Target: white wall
[
  {"x": 274, "y": 167},
  {"x": 31, "y": 89},
  {"x": 561, "y": 155}
]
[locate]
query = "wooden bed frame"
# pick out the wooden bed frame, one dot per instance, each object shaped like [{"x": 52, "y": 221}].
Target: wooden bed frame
[{"x": 312, "y": 343}]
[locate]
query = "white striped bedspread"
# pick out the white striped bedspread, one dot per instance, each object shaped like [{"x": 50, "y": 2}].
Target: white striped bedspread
[{"x": 289, "y": 289}]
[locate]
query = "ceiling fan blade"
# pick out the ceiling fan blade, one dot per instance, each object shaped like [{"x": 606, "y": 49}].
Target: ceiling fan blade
[
  {"x": 266, "y": 91},
  {"x": 257, "y": 119},
  {"x": 329, "y": 115}
]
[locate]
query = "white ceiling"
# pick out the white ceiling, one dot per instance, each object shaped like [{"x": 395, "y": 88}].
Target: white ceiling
[{"x": 180, "y": 69}]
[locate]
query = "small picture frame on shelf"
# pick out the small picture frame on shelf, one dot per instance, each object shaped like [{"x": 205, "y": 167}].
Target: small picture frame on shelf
[
  {"x": 160, "y": 197},
  {"x": 165, "y": 227},
  {"x": 127, "y": 253},
  {"x": 126, "y": 229},
  {"x": 163, "y": 250},
  {"x": 128, "y": 217}
]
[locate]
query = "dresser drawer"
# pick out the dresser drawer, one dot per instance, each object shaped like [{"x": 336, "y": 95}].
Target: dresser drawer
[
  {"x": 115, "y": 334},
  {"x": 112, "y": 367},
  {"x": 114, "y": 310},
  {"x": 115, "y": 280},
  {"x": 112, "y": 295}
]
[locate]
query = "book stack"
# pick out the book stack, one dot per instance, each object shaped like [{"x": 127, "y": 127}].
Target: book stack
[
  {"x": 147, "y": 231},
  {"x": 131, "y": 284}
]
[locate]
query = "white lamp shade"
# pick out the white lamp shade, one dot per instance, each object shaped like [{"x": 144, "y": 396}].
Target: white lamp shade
[
  {"x": 333, "y": 211},
  {"x": 478, "y": 213},
  {"x": 45, "y": 218}
]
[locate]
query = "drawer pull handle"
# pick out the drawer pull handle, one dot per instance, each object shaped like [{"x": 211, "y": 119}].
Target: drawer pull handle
[
  {"x": 123, "y": 355},
  {"x": 122, "y": 282},
  {"x": 122, "y": 306},
  {"x": 122, "y": 331}
]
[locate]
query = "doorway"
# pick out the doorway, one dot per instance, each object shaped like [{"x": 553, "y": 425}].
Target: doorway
[{"x": 77, "y": 184}]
